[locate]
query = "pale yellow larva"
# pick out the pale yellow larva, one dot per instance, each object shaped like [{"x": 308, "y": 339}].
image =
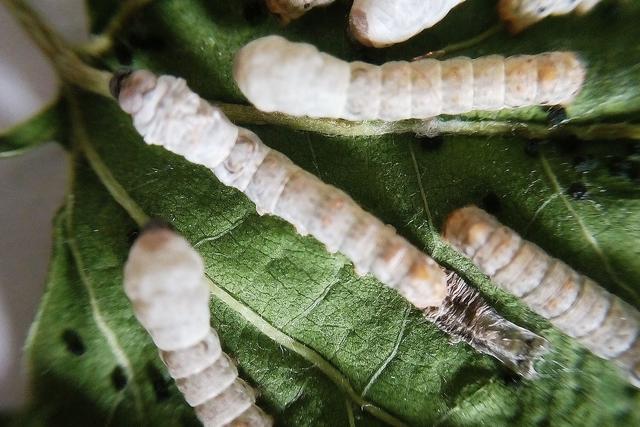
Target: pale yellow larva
[
  {"x": 164, "y": 279},
  {"x": 293, "y": 9},
  {"x": 295, "y": 78},
  {"x": 166, "y": 112},
  {"x": 519, "y": 14},
  {"x": 382, "y": 23},
  {"x": 575, "y": 304}
]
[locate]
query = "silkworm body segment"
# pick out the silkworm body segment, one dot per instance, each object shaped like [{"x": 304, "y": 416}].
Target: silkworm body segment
[
  {"x": 520, "y": 14},
  {"x": 183, "y": 123},
  {"x": 381, "y": 23},
  {"x": 164, "y": 279},
  {"x": 575, "y": 304},
  {"x": 297, "y": 79}
]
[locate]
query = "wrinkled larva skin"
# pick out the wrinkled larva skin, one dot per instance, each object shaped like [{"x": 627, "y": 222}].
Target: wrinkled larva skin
[
  {"x": 167, "y": 113},
  {"x": 465, "y": 315},
  {"x": 164, "y": 279},
  {"x": 575, "y": 304},
  {"x": 380, "y": 23},
  {"x": 519, "y": 14},
  {"x": 288, "y": 10},
  {"x": 295, "y": 78}
]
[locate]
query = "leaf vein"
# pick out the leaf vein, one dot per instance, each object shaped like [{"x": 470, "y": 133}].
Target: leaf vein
[
  {"x": 109, "y": 335},
  {"x": 391, "y": 355},
  {"x": 586, "y": 232}
]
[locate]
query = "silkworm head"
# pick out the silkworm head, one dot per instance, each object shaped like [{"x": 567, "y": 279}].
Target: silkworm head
[
  {"x": 285, "y": 10},
  {"x": 159, "y": 259},
  {"x": 358, "y": 26},
  {"x": 115, "y": 84},
  {"x": 129, "y": 88}
]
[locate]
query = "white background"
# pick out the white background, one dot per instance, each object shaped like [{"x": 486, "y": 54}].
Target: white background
[{"x": 31, "y": 186}]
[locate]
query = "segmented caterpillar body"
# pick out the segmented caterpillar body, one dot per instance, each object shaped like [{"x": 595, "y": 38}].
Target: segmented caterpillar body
[
  {"x": 382, "y": 23},
  {"x": 575, "y": 304},
  {"x": 297, "y": 79},
  {"x": 292, "y": 9},
  {"x": 164, "y": 279},
  {"x": 519, "y": 14},
  {"x": 167, "y": 113}
]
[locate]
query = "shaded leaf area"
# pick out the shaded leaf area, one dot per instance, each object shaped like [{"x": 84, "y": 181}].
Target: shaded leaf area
[
  {"x": 100, "y": 13},
  {"x": 386, "y": 351},
  {"x": 198, "y": 40},
  {"x": 50, "y": 124}
]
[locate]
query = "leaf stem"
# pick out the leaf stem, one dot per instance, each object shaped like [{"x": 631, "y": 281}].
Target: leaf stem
[
  {"x": 106, "y": 177},
  {"x": 244, "y": 114},
  {"x": 463, "y": 44},
  {"x": 67, "y": 64},
  {"x": 103, "y": 43}
]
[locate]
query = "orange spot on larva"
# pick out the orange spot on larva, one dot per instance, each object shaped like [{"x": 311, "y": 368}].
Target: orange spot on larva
[
  {"x": 547, "y": 73},
  {"x": 421, "y": 271},
  {"x": 394, "y": 250}
]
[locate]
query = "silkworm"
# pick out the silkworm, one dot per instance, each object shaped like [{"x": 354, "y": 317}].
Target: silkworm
[
  {"x": 164, "y": 279},
  {"x": 382, "y": 23},
  {"x": 288, "y": 10},
  {"x": 167, "y": 113},
  {"x": 572, "y": 302},
  {"x": 295, "y": 78},
  {"x": 519, "y": 14}
]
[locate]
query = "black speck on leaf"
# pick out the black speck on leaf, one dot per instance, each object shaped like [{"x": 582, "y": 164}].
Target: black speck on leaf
[
  {"x": 577, "y": 190},
  {"x": 491, "y": 203},
  {"x": 118, "y": 378},
  {"x": 73, "y": 342}
]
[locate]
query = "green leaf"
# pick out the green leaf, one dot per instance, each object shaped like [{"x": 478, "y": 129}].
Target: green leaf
[
  {"x": 50, "y": 124},
  {"x": 323, "y": 346},
  {"x": 376, "y": 343}
]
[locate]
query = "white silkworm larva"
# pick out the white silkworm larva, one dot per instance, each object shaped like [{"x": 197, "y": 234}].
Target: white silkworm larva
[
  {"x": 572, "y": 302},
  {"x": 382, "y": 23},
  {"x": 164, "y": 279},
  {"x": 167, "y": 113},
  {"x": 293, "y": 9},
  {"x": 519, "y": 14},
  {"x": 297, "y": 79}
]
